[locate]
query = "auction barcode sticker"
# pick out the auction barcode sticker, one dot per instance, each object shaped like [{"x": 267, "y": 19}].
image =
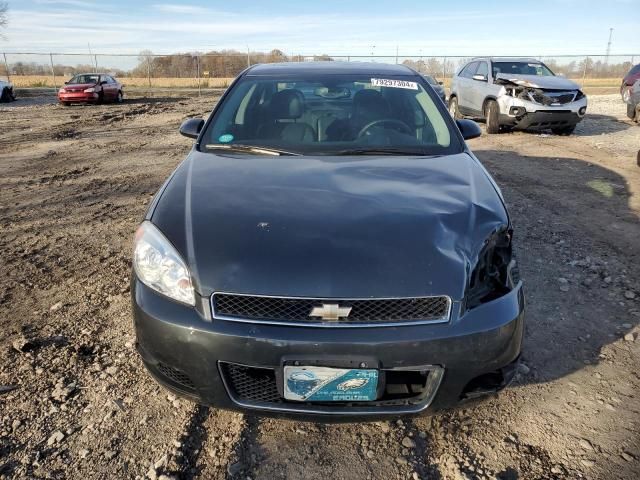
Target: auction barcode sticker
[{"x": 386, "y": 82}]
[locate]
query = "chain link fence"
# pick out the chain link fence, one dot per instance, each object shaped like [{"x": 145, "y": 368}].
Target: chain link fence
[{"x": 595, "y": 73}]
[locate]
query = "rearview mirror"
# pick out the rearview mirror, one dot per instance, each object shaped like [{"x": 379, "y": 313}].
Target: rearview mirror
[
  {"x": 469, "y": 129},
  {"x": 191, "y": 127},
  {"x": 480, "y": 78}
]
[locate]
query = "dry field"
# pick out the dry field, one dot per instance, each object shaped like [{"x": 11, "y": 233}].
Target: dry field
[{"x": 76, "y": 402}]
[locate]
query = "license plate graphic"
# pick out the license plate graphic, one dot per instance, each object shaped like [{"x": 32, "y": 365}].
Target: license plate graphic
[{"x": 324, "y": 384}]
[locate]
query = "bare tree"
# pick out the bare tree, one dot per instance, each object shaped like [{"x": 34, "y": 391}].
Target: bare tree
[{"x": 4, "y": 17}]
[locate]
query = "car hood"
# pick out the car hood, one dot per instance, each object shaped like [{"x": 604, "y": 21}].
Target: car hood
[
  {"x": 538, "y": 81},
  {"x": 350, "y": 227},
  {"x": 79, "y": 86}
]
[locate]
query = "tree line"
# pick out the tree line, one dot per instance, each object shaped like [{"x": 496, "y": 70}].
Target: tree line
[{"x": 229, "y": 63}]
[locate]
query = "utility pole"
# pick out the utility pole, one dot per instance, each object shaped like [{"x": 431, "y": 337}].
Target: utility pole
[
  {"x": 6, "y": 66},
  {"x": 248, "y": 57},
  {"x": 396, "y": 54},
  {"x": 606, "y": 58}
]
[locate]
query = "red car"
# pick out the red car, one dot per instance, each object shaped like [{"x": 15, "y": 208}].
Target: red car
[
  {"x": 90, "y": 87},
  {"x": 628, "y": 80}
]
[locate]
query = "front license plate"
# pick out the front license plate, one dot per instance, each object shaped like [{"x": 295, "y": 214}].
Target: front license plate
[{"x": 324, "y": 384}]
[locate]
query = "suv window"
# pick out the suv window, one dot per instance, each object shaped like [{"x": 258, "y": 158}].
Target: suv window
[
  {"x": 483, "y": 69},
  {"x": 469, "y": 70}
]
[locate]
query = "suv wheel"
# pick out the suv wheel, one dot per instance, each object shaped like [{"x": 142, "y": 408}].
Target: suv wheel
[
  {"x": 626, "y": 93},
  {"x": 492, "y": 114},
  {"x": 453, "y": 108}
]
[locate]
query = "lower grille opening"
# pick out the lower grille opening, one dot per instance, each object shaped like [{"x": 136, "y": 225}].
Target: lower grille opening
[
  {"x": 175, "y": 375},
  {"x": 259, "y": 385}
]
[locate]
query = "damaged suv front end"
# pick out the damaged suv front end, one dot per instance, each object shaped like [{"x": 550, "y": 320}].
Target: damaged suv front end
[
  {"x": 519, "y": 94},
  {"x": 540, "y": 103}
]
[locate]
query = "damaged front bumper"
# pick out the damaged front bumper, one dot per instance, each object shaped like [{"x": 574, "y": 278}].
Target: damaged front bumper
[{"x": 524, "y": 114}]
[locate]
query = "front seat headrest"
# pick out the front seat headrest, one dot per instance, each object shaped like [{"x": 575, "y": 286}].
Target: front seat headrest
[{"x": 287, "y": 104}]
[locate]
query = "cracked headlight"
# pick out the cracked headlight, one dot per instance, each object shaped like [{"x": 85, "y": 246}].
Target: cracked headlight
[
  {"x": 496, "y": 271},
  {"x": 159, "y": 266}
]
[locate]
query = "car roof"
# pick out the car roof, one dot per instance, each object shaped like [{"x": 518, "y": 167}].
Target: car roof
[
  {"x": 508, "y": 59},
  {"x": 366, "y": 68}
]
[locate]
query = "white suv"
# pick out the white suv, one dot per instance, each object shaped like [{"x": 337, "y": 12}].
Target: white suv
[{"x": 520, "y": 93}]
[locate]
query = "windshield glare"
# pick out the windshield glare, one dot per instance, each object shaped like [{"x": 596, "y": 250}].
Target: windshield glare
[
  {"x": 521, "y": 68},
  {"x": 332, "y": 114},
  {"x": 84, "y": 79}
]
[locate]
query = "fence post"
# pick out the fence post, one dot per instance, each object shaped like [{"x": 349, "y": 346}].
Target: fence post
[
  {"x": 149, "y": 70},
  {"x": 248, "y": 57},
  {"x": 444, "y": 68},
  {"x": 53, "y": 72},
  {"x": 6, "y": 66},
  {"x": 584, "y": 71},
  {"x": 198, "y": 70},
  {"x": 95, "y": 60}
]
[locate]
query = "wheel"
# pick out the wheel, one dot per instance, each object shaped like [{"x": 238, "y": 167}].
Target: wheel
[
  {"x": 453, "y": 108},
  {"x": 6, "y": 95},
  {"x": 563, "y": 130},
  {"x": 492, "y": 114},
  {"x": 119, "y": 97},
  {"x": 101, "y": 96},
  {"x": 626, "y": 93},
  {"x": 65, "y": 104}
]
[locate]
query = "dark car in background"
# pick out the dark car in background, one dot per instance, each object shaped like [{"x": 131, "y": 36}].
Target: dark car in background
[
  {"x": 437, "y": 86},
  {"x": 633, "y": 103},
  {"x": 627, "y": 82},
  {"x": 329, "y": 249},
  {"x": 91, "y": 88}
]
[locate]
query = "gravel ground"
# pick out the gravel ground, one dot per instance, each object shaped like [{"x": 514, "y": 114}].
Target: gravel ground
[{"x": 75, "y": 401}]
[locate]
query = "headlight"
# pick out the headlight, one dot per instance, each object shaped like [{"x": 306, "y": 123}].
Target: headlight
[
  {"x": 496, "y": 271},
  {"x": 159, "y": 266},
  {"x": 90, "y": 90},
  {"x": 62, "y": 90}
]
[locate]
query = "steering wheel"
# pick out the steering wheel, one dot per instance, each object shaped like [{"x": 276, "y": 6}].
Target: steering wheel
[{"x": 403, "y": 126}]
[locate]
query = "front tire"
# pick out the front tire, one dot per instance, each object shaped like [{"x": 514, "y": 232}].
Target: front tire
[
  {"x": 100, "y": 97},
  {"x": 625, "y": 93},
  {"x": 564, "y": 130},
  {"x": 453, "y": 108},
  {"x": 119, "y": 97},
  {"x": 492, "y": 114}
]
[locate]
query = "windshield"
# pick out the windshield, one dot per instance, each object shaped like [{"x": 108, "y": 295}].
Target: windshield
[
  {"x": 84, "y": 79},
  {"x": 332, "y": 114},
  {"x": 521, "y": 68}
]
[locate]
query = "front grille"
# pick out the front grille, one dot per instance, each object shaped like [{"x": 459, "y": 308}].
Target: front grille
[
  {"x": 250, "y": 383},
  {"x": 175, "y": 375},
  {"x": 257, "y": 386},
  {"x": 552, "y": 98},
  {"x": 363, "y": 312}
]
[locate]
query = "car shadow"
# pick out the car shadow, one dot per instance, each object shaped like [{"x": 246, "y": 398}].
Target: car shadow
[{"x": 577, "y": 242}]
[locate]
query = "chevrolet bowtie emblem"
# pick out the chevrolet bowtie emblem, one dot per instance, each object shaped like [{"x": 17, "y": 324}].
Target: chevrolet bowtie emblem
[{"x": 330, "y": 311}]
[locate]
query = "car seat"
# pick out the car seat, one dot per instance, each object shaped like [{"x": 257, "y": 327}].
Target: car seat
[{"x": 285, "y": 110}]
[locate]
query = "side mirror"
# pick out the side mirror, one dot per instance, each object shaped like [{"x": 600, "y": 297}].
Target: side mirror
[
  {"x": 191, "y": 127},
  {"x": 103, "y": 82},
  {"x": 66, "y": 83},
  {"x": 440, "y": 83},
  {"x": 480, "y": 78},
  {"x": 469, "y": 129}
]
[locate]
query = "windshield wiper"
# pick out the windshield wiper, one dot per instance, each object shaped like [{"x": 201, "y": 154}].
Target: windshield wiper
[
  {"x": 381, "y": 151},
  {"x": 249, "y": 149}
]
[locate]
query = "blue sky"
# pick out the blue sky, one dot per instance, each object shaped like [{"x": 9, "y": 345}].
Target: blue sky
[{"x": 337, "y": 27}]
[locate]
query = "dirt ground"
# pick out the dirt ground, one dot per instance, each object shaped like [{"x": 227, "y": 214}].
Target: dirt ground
[{"x": 75, "y": 401}]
